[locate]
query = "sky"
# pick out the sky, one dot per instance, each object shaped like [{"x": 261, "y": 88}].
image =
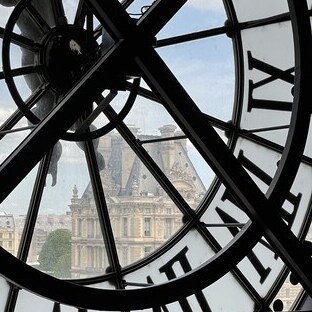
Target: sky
[{"x": 205, "y": 69}]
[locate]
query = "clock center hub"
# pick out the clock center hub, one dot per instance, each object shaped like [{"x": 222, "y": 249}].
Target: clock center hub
[{"x": 67, "y": 53}]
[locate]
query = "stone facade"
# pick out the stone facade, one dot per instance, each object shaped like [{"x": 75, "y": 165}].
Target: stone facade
[
  {"x": 142, "y": 216},
  {"x": 45, "y": 224},
  {"x": 8, "y": 236}
]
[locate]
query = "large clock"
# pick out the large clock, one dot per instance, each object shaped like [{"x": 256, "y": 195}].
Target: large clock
[{"x": 213, "y": 86}]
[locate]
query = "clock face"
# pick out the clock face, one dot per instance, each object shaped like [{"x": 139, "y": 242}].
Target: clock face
[{"x": 164, "y": 145}]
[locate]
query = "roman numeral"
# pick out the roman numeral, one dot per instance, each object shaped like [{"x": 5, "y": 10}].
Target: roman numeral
[
  {"x": 157, "y": 309},
  {"x": 293, "y": 200},
  {"x": 56, "y": 307},
  {"x": 274, "y": 74},
  {"x": 289, "y": 215},
  {"x": 261, "y": 270},
  {"x": 168, "y": 270}
]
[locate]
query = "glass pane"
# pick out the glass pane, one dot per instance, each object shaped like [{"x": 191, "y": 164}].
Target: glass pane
[
  {"x": 4, "y": 286},
  {"x": 89, "y": 255},
  {"x": 16, "y": 204},
  {"x": 142, "y": 119},
  {"x": 261, "y": 268},
  {"x": 143, "y": 216},
  {"x": 59, "y": 224},
  {"x": 50, "y": 250},
  {"x": 183, "y": 250},
  {"x": 181, "y": 163},
  {"x": 70, "y": 8},
  {"x": 250, "y": 10},
  {"x": 8, "y": 106},
  {"x": 205, "y": 68},
  {"x": 299, "y": 200},
  {"x": 288, "y": 294},
  {"x": 8, "y": 237},
  {"x": 175, "y": 263},
  {"x": 11, "y": 137},
  {"x": 308, "y": 148},
  {"x": 268, "y": 97},
  {"x": 195, "y": 15},
  {"x": 4, "y": 15},
  {"x": 27, "y": 301}
]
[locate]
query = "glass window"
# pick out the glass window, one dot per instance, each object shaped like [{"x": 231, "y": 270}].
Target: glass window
[
  {"x": 125, "y": 226},
  {"x": 125, "y": 255},
  {"x": 79, "y": 227},
  {"x": 147, "y": 227},
  {"x": 167, "y": 228},
  {"x": 147, "y": 250}
]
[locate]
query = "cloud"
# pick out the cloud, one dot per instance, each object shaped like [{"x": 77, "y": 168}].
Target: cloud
[
  {"x": 211, "y": 5},
  {"x": 4, "y": 15},
  {"x": 5, "y": 112}
]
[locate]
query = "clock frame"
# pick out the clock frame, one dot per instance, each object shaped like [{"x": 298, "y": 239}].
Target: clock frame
[{"x": 270, "y": 193}]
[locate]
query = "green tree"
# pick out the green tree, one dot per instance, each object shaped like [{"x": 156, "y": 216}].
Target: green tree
[{"x": 55, "y": 256}]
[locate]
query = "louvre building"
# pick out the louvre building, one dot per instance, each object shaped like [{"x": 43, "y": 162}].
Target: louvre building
[{"x": 143, "y": 217}]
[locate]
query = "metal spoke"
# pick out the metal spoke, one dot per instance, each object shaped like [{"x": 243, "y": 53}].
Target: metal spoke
[
  {"x": 80, "y": 13},
  {"x": 218, "y": 156},
  {"x": 192, "y": 36},
  {"x": 103, "y": 214},
  {"x": 30, "y": 223},
  {"x": 147, "y": 160},
  {"x": 227, "y": 28},
  {"x": 267, "y": 129},
  {"x": 18, "y": 115},
  {"x": 259, "y": 207},
  {"x": 270, "y": 145},
  {"x": 4, "y": 132},
  {"x": 36, "y": 17},
  {"x": 265, "y": 21},
  {"x": 126, "y": 3},
  {"x": 70, "y": 106},
  {"x": 228, "y": 225},
  {"x": 147, "y": 94},
  {"x": 22, "y": 41},
  {"x": 96, "y": 112},
  {"x": 34, "y": 207},
  {"x": 25, "y": 70},
  {"x": 178, "y": 137},
  {"x": 249, "y": 135},
  {"x": 89, "y": 26},
  {"x": 58, "y": 12}
]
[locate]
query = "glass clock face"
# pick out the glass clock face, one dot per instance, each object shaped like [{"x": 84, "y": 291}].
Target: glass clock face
[{"x": 157, "y": 153}]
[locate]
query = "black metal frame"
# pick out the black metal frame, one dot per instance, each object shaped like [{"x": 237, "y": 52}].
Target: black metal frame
[{"x": 134, "y": 41}]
